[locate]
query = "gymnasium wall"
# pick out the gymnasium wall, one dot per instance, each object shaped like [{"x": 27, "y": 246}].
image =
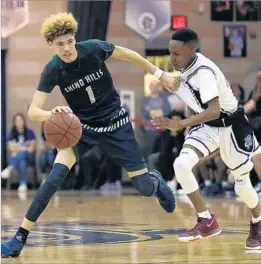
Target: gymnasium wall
[{"x": 28, "y": 53}]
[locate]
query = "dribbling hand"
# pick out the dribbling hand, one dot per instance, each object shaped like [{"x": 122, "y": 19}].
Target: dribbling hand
[{"x": 60, "y": 109}]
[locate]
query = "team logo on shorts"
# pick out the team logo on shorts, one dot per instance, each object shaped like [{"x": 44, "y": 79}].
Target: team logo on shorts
[{"x": 248, "y": 142}]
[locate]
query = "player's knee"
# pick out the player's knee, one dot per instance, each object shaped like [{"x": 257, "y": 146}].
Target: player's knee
[
  {"x": 145, "y": 184},
  {"x": 244, "y": 189},
  {"x": 66, "y": 157},
  {"x": 181, "y": 167},
  {"x": 184, "y": 176},
  {"x": 184, "y": 163},
  {"x": 183, "y": 170}
]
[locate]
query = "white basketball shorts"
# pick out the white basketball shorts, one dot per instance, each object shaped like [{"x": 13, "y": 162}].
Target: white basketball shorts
[{"x": 237, "y": 144}]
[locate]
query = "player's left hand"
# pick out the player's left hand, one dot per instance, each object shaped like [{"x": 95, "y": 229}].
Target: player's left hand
[
  {"x": 170, "y": 81},
  {"x": 166, "y": 123}
]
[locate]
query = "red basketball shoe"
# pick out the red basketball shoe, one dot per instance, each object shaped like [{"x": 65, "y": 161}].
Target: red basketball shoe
[
  {"x": 254, "y": 238},
  {"x": 204, "y": 228}
]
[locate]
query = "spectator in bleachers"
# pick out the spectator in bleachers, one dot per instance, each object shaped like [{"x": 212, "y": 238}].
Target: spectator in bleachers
[
  {"x": 215, "y": 179},
  {"x": 22, "y": 147},
  {"x": 99, "y": 171},
  {"x": 176, "y": 104},
  {"x": 153, "y": 105},
  {"x": 46, "y": 157},
  {"x": 238, "y": 92}
]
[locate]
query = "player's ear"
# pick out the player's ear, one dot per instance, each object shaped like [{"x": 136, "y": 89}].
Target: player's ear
[
  {"x": 192, "y": 51},
  {"x": 51, "y": 45}
]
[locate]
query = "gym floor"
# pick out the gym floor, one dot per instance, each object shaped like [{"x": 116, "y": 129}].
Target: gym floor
[{"x": 124, "y": 227}]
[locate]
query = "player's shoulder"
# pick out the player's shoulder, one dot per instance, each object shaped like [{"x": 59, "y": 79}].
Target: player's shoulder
[
  {"x": 88, "y": 44},
  {"x": 205, "y": 61},
  {"x": 52, "y": 66},
  {"x": 202, "y": 65}
]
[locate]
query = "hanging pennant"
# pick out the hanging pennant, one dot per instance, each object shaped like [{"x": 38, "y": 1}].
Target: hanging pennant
[{"x": 148, "y": 18}]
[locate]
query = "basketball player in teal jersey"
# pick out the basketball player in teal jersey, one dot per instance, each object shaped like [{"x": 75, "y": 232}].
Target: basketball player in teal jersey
[{"x": 80, "y": 71}]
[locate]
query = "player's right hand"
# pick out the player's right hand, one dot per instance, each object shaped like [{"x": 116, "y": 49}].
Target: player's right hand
[
  {"x": 170, "y": 81},
  {"x": 60, "y": 109}
]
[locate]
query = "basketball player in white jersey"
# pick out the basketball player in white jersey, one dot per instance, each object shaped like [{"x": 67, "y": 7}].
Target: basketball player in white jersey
[{"x": 218, "y": 122}]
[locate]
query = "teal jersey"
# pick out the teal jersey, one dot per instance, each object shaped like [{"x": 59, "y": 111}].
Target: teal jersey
[{"x": 86, "y": 83}]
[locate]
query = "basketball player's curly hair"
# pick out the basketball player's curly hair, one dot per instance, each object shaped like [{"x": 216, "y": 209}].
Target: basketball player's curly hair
[{"x": 58, "y": 25}]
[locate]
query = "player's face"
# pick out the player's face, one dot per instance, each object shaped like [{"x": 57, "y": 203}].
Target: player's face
[
  {"x": 180, "y": 54},
  {"x": 64, "y": 47}
]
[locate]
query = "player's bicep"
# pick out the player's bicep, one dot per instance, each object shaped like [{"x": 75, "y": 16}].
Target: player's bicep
[
  {"x": 120, "y": 53},
  {"x": 214, "y": 105},
  {"x": 208, "y": 86},
  {"x": 39, "y": 99}
]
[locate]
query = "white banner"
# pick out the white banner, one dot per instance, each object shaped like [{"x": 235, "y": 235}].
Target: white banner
[{"x": 14, "y": 16}]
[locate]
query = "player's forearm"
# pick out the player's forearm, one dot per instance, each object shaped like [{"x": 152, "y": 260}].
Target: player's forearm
[
  {"x": 134, "y": 58},
  {"x": 35, "y": 113},
  {"x": 205, "y": 116}
]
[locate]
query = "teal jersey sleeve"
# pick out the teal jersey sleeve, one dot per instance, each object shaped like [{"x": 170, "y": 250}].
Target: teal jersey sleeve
[
  {"x": 48, "y": 78},
  {"x": 102, "y": 50}
]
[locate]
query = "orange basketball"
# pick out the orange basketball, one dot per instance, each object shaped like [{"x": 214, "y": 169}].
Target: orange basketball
[{"x": 62, "y": 130}]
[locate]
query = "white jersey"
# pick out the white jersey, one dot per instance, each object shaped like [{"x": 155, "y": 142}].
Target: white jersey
[{"x": 202, "y": 81}]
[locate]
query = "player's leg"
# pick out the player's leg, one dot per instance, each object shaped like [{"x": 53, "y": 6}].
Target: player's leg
[
  {"x": 123, "y": 148},
  {"x": 200, "y": 142},
  {"x": 64, "y": 160},
  {"x": 238, "y": 144}
]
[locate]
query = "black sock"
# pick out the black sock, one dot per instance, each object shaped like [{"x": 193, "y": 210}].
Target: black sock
[
  {"x": 22, "y": 234},
  {"x": 46, "y": 191}
]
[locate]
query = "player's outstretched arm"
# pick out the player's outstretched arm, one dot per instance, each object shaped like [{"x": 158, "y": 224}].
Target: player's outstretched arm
[
  {"x": 35, "y": 111},
  {"x": 170, "y": 81}
]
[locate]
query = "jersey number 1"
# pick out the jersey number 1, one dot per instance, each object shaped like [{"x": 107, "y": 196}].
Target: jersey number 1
[{"x": 91, "y": 94}]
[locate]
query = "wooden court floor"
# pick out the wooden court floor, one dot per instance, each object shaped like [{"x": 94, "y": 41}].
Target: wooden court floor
[{"x": 120, "y": 228}]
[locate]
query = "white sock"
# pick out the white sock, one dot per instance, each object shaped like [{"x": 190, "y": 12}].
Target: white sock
[
  {"x": 256, "y": 220},
  {"x": 205, "y": 214}
]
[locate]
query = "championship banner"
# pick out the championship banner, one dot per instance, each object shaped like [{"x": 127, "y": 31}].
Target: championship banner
[
  {"x": 14, "y": 16},
  {"x": 148, "y": 18}
]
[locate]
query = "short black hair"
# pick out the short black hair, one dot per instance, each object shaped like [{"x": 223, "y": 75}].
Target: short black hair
[{"x": 185, "y": 35}]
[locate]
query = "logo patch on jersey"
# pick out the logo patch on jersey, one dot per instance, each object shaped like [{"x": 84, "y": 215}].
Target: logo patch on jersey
[{"x": 248, "y": 141}]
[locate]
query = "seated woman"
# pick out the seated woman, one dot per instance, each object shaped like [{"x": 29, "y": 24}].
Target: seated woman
[{"x": 22, "y": 146}]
